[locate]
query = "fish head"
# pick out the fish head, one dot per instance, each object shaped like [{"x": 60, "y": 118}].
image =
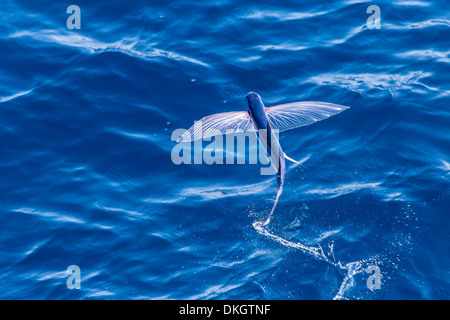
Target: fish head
[
  {"x": 253, "y": 98},
  {"x": 255, "y": 104},
  {"x": 257, "y": 110}
]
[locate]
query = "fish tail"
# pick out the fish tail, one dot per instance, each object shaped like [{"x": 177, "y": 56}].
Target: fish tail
[
  {"x": 280, "y": 179},
  {"x": 279, "y": 192}
]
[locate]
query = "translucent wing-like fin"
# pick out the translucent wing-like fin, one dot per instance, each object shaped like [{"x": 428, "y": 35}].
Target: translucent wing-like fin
[
  {"x": 217, "y": 124},
  {"x": 290, "y": 159},
  {"x": 297, "y": 114}
]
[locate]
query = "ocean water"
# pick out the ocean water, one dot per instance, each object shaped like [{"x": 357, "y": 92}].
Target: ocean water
[{"x": 85, "y": 152}]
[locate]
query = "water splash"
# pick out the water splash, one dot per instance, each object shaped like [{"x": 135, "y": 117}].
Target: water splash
[{"x": 348, "y": 270}]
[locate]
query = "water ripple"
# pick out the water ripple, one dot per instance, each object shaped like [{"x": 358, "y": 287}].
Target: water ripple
[
  {"x": 16, "y": 95},
  {"x": 132, "y": 47}
]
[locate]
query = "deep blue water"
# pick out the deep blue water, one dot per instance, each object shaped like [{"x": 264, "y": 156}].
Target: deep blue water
[{"x": 85, "y": 152}]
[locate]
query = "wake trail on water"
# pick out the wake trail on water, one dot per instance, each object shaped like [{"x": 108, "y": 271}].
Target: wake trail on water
[
  {"x": 265, "y": 223},
  {"x": 347, "y": 270}
]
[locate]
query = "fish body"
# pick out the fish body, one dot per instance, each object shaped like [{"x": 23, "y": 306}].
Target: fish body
[{"x": 261, "y": 121}]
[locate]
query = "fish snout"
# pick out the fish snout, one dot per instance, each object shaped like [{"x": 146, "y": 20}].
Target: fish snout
[{"x": 252, "y": 96}]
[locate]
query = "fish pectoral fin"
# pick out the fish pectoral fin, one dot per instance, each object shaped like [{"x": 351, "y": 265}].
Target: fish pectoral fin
[
  {"x": 290, "y": 159},
  {"x": 298, "y": 114},
  {"x": 219, "y": 124}
]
